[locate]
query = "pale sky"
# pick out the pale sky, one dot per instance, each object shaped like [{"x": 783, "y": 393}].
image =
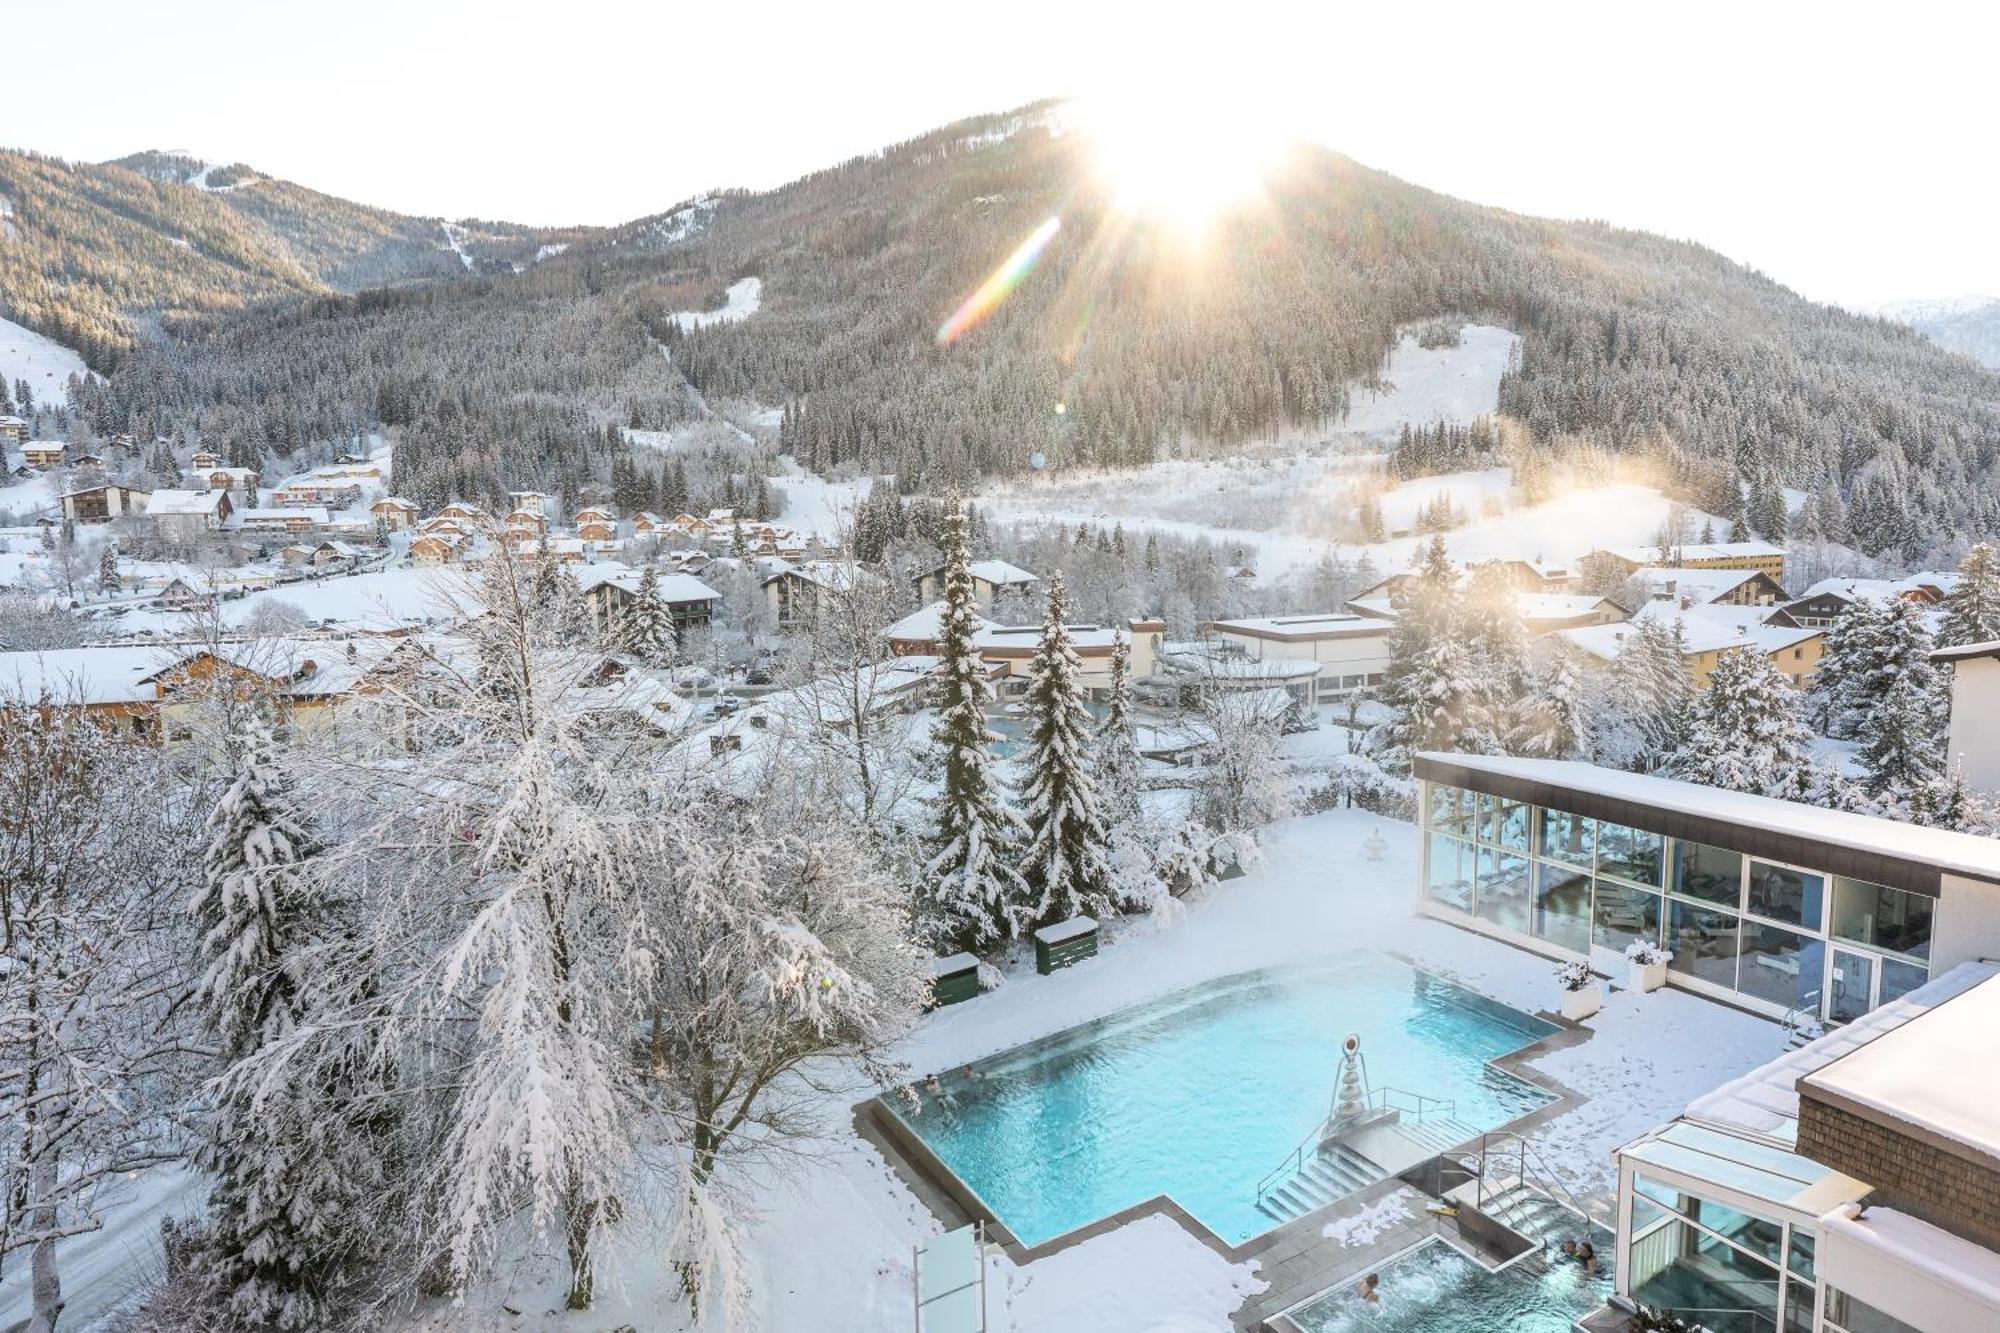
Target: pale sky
[{"x": 1848, "y": 153}]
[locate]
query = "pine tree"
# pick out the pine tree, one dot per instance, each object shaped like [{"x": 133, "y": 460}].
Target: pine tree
[
  {"x": 286, "y": 1178},
  {"x": 1972, "y": 609},
  {"x": 1746, "y": 732},
  {"x": 972, "y": 896},
  {"x": 107, "y": 569},
  {"x": 1116, "y": 748},
  {"x": 1554, "y": 722},
  {"x": 1431, "y": 682},
  {"x": 646, "y": 627},
  {"x": 1064, "y": 855}
]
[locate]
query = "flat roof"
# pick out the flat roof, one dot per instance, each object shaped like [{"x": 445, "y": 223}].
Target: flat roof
[
  {"x": 1775, "y": 1176},
  {"x": 1765, "y": 1101},
  {"x": 1326, "y": 625},
  {"x": 1881, "y": 851},
  {"x": 1933, "y": 1077},
  {"x": 1966, "y": 650}
]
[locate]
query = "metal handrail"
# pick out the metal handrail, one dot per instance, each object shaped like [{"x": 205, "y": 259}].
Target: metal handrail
[
  {"x": 1376, "y": 1099},
  {"x": 1794, "y": 1019},
  {"x": 1544, "y": 1179},
  {"x": 1292, "y": 1163},
  {"x": 1420, "y": 1109},
  {"x": 1756, "y": 1316}
]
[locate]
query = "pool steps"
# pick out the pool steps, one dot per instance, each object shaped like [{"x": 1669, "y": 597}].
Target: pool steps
[{"x": 1334, "y": 1173}]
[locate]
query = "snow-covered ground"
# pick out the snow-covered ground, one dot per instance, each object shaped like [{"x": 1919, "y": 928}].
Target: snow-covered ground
[
  {"x": 1294, "y": 494},
  {"x": 1426, "y": 385},
  {"x": 46, "y": 365},
  {"x": 815, "y": 506},
  {"x": 831, "y": 1228},
  {"x": 744, "y": 297}
]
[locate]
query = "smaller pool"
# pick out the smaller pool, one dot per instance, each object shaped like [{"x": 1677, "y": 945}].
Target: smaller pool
[{"x": 1435, "y": 1289}]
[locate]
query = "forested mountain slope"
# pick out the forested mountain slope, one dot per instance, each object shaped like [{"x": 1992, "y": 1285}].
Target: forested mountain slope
[
  {"x": 1125, "y": 338},
  {"x": 1968, "y": 324},
  {"x": 89, "y": 254}
]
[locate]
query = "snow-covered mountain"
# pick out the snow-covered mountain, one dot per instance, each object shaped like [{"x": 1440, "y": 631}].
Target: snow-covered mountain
[{"x": 1969, "y": 324}]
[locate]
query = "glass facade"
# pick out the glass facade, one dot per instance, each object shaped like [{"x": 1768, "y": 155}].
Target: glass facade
[{"x": 1786, "y": 936}]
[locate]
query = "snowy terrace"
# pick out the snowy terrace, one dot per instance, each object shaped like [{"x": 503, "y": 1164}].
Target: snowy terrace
[{"x": 833, "y": 1229}]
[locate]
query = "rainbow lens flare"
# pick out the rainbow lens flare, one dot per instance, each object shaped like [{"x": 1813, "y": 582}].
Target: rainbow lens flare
[{"x": 998, "y": 287}]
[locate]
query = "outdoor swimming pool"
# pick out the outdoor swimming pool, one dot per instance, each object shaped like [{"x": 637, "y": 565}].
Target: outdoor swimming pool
[
  {"x": 1199, "y": 1094},
  {"x": 1435, "y": 1289}
]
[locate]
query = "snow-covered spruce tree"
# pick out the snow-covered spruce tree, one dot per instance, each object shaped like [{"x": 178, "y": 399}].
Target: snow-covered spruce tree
[
  {"x": 645, "y": 627},
  {"x": 1116, "y": 749},
  {"x": 1856, "y": 646},
  {"x": 1553, "y": 721},
  {"x": 1063, "y": 857},
  {"x": 1432, "y": 684},
  {"x": 107, "y": 569},
  {"x": 1972, "y": 609},
  {"x": 1496, "y": 643},
  {"x": 1642, "y": 702},
  {"x": 970, "y": 892},
  {"x": 1746, "y": 732},
  {"x": 291, "y": 1165}
]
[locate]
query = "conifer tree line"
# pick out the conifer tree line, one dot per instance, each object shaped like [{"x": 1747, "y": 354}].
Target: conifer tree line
[{"x": 1731, "y": 385}]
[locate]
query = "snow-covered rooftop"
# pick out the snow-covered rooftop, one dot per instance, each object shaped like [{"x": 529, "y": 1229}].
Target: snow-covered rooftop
[
  {"x": 672, "y": 587},
  {"x": 1943, "y": 849},
  {"x": 184, "y": 502},
  {"x": 1645, "y": 555},
  {"x": 1326, "y": 625},
  {"x": 1000, "y": 573},
  {"x": 1702, "y": 585},
  {"x": 1765, "y": 1101},
  {"x": 311, "y": 514},
  {"x": 1934, "y": 1073}
]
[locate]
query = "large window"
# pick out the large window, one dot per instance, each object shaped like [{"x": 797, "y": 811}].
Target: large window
[
  {"x": 1508, "y": 823},
  {"x": 1451, "y": 873},
  {"x": 1882, "y": 917},
  {"x": 1708, "y": 873},
  {"x": 1779, "y": 965},
  {"x": 1703, "y": 942},
  {"x": 1504, "y": 896},
  {"x": 1562, "y": 906},
  {"x": 1452, "y": 810},
  {"x": 1568, "y": 837},
  {"x": 1622, "y": 915},
  {"x": 1630, "y": 853},
  {"x": 1786, "y": 895},
  {"x": 1687, "y": 1253},
  {"x": 1844, "y": 1314}
]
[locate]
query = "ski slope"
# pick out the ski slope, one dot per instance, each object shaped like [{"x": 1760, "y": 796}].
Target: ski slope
[
  {"x": 1425, "y": 385},
  {"x": 45, "y": 364},
  {"x": 744, "y": 298}
]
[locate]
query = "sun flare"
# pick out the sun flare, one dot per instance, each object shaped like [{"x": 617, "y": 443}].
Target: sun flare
[{"x": 1184, "y": 161}]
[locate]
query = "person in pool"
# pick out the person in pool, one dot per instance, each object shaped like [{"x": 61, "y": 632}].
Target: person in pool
[
  {"x": 1366, "y": 1291},
  {"x": 1586, "y": 1254}
]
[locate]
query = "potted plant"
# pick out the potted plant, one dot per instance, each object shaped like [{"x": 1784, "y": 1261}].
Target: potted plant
[
  {"x": 1580, "y": 994},
  {"x": 1649, "y": 965}
]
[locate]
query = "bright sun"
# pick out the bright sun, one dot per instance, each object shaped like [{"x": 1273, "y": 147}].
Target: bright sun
[{"x": 1183, "y": 161}]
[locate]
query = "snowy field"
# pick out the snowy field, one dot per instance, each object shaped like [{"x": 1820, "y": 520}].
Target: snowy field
[
  {"x": 45, "y": 365},
  {"x": 744, "y": 297},
  {"x": 830, "y": 1228},
  {"x": 380, "y": 599},
  {"x": 1565, "y": 528},
  {"x": 1426, "y": 385}
]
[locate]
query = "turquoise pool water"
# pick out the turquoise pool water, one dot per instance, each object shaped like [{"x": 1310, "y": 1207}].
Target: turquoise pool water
[
  {"x": 1435, "y": 1289},
  {"x": 1201, "y": 1093}
]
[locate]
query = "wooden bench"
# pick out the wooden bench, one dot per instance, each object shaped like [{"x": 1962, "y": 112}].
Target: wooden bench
[
  {"x": 954, "y": 979},
  {"x": 1065, "y": 944}
]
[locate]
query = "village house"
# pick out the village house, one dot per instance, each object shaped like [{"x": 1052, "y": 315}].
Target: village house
[
  {"x": 281, "y": 519},
  {"x": 1764, "y": 557},
  {"x": 180, "y": 595},
  {"x": 464, "y": 511},
  {"x": 990, "y": 579},
  {"x": 88, "y": 462},
  {"x": 1830, "y": 599},
  {"x": 12, "y": 430},
  {"x": 538, "y": 503},
  {"x": 648, "y": 524},
  {"x": 596, "y": 530},
  {"x": 795, "y": 591},
  {"x": 1693, "y": 585},
  {"x": 335, "y": 552},
  {"x": 303, "y": 492},
  {"x": 609, "y": 589},
  {"x": 184, "y": 516},
  {"x": 101, "y": 504},
  {"x": 1008, "y": 649},
  {"x": 203, "y": 460},
  {"x": 295, "y": 555},
  {"x": 1707, "y": 632},
  {"x": 393, "y": 512},
  {"x": 44, "y": 453},
  {"x": 240, "y": 479},
  {"x": 1532, "y": 575},
  {"x": 568, "y": 550},
  {"x": 1539, "y": 612},
  {"x": 1975, "y": 712},
  {"x": 436, "y": 548}
]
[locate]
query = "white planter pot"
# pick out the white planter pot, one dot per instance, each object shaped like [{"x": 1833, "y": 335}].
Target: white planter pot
[
  {"x": 1578, "y": 1005},
  {"x": 1648, "y": 976}
]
